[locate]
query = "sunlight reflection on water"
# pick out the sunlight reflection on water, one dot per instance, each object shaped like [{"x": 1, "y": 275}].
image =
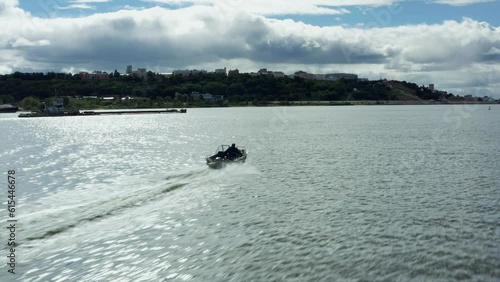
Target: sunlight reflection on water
[{"x": 336, "y": 193}]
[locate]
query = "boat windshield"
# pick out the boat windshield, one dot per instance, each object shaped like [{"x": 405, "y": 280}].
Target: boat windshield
[{"x": 222, "y": 148}]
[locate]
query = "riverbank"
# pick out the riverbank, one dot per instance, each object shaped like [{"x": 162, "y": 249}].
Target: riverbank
[
  {"x": 370, "y": 103},
  {"x": 343, "y": 103},
  {"x": 179, "y": 106}
]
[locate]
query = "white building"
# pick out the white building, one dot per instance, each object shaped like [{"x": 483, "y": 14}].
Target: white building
[
  {"x": 140, "y": 72},
  {"x": 221, "y": 71},
  {"x": 206, "y": 96},
  {"x": 339, "y": 76},
  {"x": 278, "y": 74},
  {"x": 188, "y": 72},
  {"x": 264, "y": 72}
]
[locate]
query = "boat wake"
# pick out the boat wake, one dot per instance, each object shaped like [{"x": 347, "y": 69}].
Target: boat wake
[
  {"x": 73, "y": 208},
  {"x": 69, "y": 209}
]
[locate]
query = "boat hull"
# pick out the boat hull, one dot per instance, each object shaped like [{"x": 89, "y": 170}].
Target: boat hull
[{"x": 218, "y": 163}]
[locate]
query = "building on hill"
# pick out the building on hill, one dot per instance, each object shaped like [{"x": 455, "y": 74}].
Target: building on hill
[
  {"x": 455, "y": 99},
  {"x": 339, "y": 76},
  {"x": 198, "y": 72},
  {"x": 181, "y": 72},
  {"x": 263, "y": 72},
  {"x": 94, "y": 75},
  {"x": 278, "y": 74},
  {"x": 140, "y": 72},
  {"x": 233, "y": 72},
  {"x": 206, "y": 96},
  {"x": 214, "y": 97},
  {"x": 188, "y": 72},
  {"x": 470, "y": 98},
  {"x": 304, "y": 75},
  {"x": 221, "y": 71}
]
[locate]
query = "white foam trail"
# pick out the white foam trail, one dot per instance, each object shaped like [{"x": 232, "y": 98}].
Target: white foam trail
[{"x": 70, "y": 208}]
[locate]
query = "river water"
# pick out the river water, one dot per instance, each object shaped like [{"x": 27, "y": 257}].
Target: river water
[{"x": 364, "y": 193}]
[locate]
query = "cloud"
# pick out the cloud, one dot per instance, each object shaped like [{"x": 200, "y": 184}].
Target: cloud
[
  {"x": 461, "y": 2},
  {"x": 279, "y": 7},
  {"x": 8, "y": 6},
  {"x": 23, "y": 42},
  {"x": 81, "y": 4},
  {"x": 128, "y": 7},
  {"x": 450, "y": 54},
  {"x": 77, "y": 6},
  {"x": 89, "y": 1}
]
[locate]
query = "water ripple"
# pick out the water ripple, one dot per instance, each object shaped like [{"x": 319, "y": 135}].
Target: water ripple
[{"x": 331, "y": 194}]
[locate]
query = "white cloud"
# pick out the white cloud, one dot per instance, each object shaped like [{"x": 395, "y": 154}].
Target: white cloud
[
  {"x": 23, "y": 42},
  {"x": 8, "y": 7},
  {"x": 70, "y": 69},
  {"x": 128, "y": 7},
  {"x": 90, "y": 1},
  {"x": 493, "y": 51},
  {"x": 81, "y": 4},
  {"x": 77, "y": 6},
  {"x": 453, "y": 55},
  {"x": 461, "y": 2},
  {"x": 280, "y": 7}
]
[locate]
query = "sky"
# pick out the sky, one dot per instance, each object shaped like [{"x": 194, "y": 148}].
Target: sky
[{"x": 453, "y": 44}]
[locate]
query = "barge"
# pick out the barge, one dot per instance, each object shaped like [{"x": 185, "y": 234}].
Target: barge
[{"x": 57, "y": 110}]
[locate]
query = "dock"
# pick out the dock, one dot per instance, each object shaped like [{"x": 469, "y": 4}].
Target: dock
[
  {"x": 166, "y": 111},
  {"x": 97, "y": 113}
]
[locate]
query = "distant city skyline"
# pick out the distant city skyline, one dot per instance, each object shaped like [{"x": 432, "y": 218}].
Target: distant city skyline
[{"x": 454, "y": 44}]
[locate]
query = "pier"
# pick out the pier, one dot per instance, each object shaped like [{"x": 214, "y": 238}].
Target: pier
[{"x": 97, "y": 113}]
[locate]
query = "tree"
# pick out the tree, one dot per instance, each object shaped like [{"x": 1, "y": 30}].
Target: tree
[{"x": 31, "y": 104}]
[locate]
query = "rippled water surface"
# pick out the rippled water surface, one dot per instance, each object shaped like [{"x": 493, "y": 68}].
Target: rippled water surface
[{"x": 327, "y": 194}]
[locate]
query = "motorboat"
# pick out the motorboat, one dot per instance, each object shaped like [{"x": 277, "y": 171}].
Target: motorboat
[{"x": 221, "y": 158}]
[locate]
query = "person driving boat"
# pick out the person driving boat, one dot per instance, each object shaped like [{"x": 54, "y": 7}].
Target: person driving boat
[{"x": 232, "y": 152}]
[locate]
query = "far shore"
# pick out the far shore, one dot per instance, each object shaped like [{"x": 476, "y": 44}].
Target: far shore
[
  {"x": 367, "y": 102},
  {"x": 345, "y": 103},
  {"x": 302, "y": 103}
]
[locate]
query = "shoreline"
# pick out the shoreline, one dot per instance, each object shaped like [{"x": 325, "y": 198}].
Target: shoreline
[
  {"x": 347, "y": 103},
  {"x": 299, "y": 104},
  {"x": 375, "y": 103}
]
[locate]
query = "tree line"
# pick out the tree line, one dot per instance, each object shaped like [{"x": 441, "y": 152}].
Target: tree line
[{"x": 156, "y": 90}]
